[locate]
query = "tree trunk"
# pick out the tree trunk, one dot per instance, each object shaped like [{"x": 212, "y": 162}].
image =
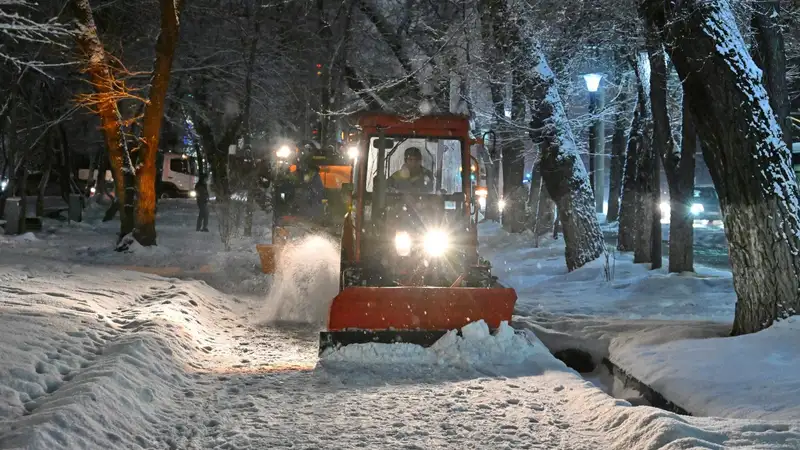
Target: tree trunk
[
  {"x": 494, "y": 36},
  {"x": 247, "y": 138},
  {"x": 748, "y": 159},
  {"x": 617, "y": 161},
  {"x": 110, "y": 118},
  {"x": 628, "y": 209},
  {"x": 645, "y": 198},
  {"x": 561, "y": 166},
  {"x": 681, "y": 231},
  {"x": 514, "y": 167},
  {"x": 679, "y": 169},
  {"x": 543, "y": 216},
  {"x": 642, "y": 249},
  {"x": 769, "y": 53},
  {"x": 151, "y": 123},
  {"x": 662, "y": 143},
  {"x": 45, "y": 177}
]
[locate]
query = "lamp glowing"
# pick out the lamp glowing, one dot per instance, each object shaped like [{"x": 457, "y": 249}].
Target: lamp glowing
[{"x": 592, "y": 81}]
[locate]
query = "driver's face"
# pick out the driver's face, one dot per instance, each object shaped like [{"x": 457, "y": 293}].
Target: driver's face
[{"x": 414, "y": 163}]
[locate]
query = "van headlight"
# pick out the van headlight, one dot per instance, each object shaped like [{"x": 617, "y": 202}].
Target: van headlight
[
  {"x": 402, "y": 243},
  {"x": 436, "y": 242}
]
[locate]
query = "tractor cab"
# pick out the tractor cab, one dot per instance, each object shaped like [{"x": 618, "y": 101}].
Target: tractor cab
[{"x": 413, "y": 205}]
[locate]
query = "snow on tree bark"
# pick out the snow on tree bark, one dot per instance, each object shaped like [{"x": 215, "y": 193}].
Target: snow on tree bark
[
  {"x": 643, "y": 184},
  {"x": 746, "y": 155},
  {"x": 153, "y": 116},
  {"x": 110, "y": 117},
  {"x": 561, "y": 166},
  {"x": 627, "y": 210}
]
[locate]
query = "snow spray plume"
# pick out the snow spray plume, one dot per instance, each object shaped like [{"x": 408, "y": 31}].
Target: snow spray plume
[{"x": 305, "y": 283}]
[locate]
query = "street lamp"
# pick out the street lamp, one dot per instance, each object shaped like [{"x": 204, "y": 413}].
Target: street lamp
[{"x": 596, "y": 140}]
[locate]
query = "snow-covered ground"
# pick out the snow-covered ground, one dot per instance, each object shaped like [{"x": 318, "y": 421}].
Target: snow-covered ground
[
  {"x": 668, "y": 330},
  {"x": 95, "y": 356}
]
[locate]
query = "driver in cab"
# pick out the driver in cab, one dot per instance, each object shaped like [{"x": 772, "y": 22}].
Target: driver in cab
[{"x": 412, "y": 177}]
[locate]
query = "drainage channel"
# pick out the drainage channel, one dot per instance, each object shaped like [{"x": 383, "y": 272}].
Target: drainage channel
[{"x": 616, "y": 382}]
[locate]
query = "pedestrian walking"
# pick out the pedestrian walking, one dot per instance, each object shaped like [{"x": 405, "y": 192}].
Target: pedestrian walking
[{"x": 201, "y": 189}]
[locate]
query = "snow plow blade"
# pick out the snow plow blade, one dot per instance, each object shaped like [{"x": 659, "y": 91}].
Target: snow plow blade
[
  {"x": 268, "y": 255},
  {"x": 415, "y": 315}
]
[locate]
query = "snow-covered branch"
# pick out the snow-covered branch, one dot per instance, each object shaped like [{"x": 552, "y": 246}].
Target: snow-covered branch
[{"x": 16, "y": 27}]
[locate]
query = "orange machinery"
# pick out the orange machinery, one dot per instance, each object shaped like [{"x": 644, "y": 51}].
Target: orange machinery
[{"x": 410, "y": 269}]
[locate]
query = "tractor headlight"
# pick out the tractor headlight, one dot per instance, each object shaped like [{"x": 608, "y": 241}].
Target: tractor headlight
[
  {"x": 402, "y": 243},
  {"x": 436, "y": 242},
  {"x": 284, "y": 152},
  {"x": 697, "y": 208}
]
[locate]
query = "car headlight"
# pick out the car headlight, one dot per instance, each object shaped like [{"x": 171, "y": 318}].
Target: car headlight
[
  {"x": 697, "y": 208},
  {"x": 501, "y": 205},
  {"x": 482, "y": 202},
  {"x": 436, "y": 242},
  {"x": 3, "y": 185},
  {"x": 352, "y": 152},
  {"x": 402, "y": 243},
  {"x": 193, "y": 194},
  {"x": 665, "y": 208}
]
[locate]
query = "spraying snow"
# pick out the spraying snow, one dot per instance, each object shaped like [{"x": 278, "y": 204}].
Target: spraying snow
[{"x": 305, "y": 283}]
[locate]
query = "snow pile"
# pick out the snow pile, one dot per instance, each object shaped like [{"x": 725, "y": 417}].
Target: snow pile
[
  {"x": 476, "y": 347},
  {"x": 96, "y": 358},
  {"x": 305, "y": 283},
  {"x": 752, "y": 376}
]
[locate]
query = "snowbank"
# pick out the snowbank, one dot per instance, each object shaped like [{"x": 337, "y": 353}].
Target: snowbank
[
  {"x": 750, "y": 377},
  {"x": 98, "y": 358}
]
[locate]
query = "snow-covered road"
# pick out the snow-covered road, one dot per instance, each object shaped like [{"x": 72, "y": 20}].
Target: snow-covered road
[{"x": 99, "y": 357}]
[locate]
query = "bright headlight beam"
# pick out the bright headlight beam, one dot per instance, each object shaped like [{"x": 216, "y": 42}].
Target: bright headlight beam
[
  {"x": 697, "y": 208},
  {"x": 402, "y": 243},
  {"x": 352, "y": 152},
  {"x": 284, "y": 152},
  {"x": 436, "y": 242}
]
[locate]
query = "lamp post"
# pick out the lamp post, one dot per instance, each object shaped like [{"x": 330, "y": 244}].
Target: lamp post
[{"x": 596, "y": 140}]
